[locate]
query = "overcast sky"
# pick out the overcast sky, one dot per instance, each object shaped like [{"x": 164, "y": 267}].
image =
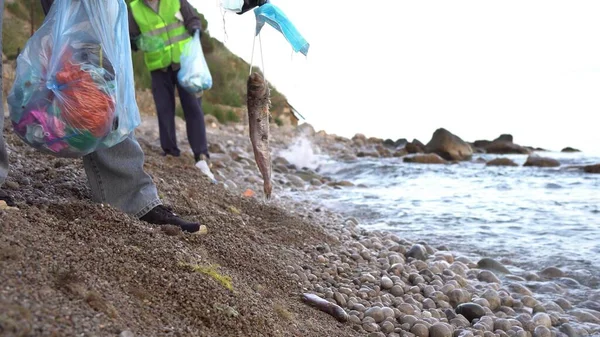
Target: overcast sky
[{"x": 401, "y": 69}]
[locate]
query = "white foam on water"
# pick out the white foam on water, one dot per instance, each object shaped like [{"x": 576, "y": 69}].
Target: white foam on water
[{"x": 303, "y": 153}]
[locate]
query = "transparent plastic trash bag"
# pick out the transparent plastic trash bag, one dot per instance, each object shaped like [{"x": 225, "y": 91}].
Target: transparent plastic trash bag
[
  {"x": 194, "y": 75},
  {"x": 74, "y": 88},
  {"x": 274, "y": 16}
]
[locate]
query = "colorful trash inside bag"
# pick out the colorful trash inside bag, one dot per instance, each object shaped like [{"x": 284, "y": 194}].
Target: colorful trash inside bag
[
  {"x": 194, "y": 75},
  {"x": 275, "y": 17},
  {"x": 74, "y": 89}
]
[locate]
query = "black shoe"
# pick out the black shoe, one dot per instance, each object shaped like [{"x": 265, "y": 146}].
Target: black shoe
[
  {"x": 161, "y": 215},
  {"x": 164, "y": 154},
  {"x": 6, "y": 198}
]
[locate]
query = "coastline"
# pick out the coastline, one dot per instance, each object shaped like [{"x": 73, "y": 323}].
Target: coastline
[{"x": 138, "y": 280}]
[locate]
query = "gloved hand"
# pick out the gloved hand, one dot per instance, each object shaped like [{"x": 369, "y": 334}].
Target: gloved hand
[
  {"x": 193, "y": 31},
  {"x": 249, "y": 4}
]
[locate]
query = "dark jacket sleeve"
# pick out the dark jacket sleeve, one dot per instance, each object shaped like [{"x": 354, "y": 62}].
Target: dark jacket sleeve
[
  {"x": 46, "y": 4},
  {"x": 191, "y": 20}
]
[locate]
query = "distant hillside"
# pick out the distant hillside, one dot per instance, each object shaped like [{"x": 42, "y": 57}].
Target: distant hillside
[{"x": 229, "y": 71}]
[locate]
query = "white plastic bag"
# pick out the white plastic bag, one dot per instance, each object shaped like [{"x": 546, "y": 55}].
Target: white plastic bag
[
  {"x": 194, "y": 75},
  {"x": 232, "y": 5}
]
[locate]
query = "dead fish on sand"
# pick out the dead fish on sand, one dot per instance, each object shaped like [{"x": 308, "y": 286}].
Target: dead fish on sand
[
  {"x": 258, "y": 102},
  {"x": 326, "y": 306}
]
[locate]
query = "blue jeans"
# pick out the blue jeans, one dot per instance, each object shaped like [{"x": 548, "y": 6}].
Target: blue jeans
[{"x": 116, "y": 175}]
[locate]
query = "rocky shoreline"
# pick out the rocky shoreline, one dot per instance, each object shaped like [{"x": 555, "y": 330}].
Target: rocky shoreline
[
  {"x": 233, "y": 159},
  {"x": 392, "y": 287}
]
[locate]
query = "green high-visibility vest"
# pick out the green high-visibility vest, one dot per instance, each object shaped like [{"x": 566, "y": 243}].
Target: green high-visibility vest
[{"x": 165, "y": 25}]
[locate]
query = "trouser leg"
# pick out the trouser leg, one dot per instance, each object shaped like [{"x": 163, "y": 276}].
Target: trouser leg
[
  {"x": 194, "y": 119},
  {"x": 116, "y": 176},
  {"x": 163, "y": 90}
]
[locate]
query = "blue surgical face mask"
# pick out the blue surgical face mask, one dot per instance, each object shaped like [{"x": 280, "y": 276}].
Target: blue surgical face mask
[{"x": 272, "y": 15}]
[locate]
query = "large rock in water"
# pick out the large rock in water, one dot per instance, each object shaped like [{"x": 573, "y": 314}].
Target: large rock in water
[
  {"x": 359, "y": 139},
  {"x": 481, "y": 144},
  {"x": 504, "y": 138},
  {"x": 569, "y": 149},
  {"x": 592, "y": 168},
  {"x": 448, "y": 146},
  {"x": 541, "y": 162},
  {"x": 501, "y": 145},
  {"x": 429, "y": 158},
  {"x": 506, "y": 148},
  {"x": 415, "y": 147},
  {"x": 400, "y": 142},
  {"x": 504, "y": 145}
]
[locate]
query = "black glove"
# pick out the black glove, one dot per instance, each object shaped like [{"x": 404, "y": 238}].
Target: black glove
[
  {"x": 249, "y": 4},
  {"x": 193, "y": 31}
]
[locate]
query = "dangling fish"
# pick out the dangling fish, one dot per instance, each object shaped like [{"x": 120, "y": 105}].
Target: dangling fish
[{"x": 258, "y": 102}]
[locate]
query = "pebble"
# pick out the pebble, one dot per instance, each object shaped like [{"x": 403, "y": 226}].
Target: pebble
[
  {"x": 420, "y": 330},
  {"x": 529, "y": 301},
  {"x": 386, "y": 282},
  {"x": 564, "y": 304},
  {"x": 470, "y": 311},
  {"x": 542, "y": 319},
  {"x": 458, "y": 296},
  {"x": 388, "y": 312},
  {"x": 520, "y": 289},
  {"x": 339, "y": 298},
  {"x": 542, "y": 331},
  {"x": 487, "y": 276},
  {"x": 370, "y": 327},
  {"x": 387, "y": 327},
  {"x": 375, "y": 313},
  {"x": 418, "y": 252},
  {"x": 440, "y": 330},
  {"x": 397, "y": 290},
  {"x": 567, "y": 329},
  {"x": 552, "y": 306},
  {"x": 552, "y": 272},
  {"x": 354, "y": 319},
  {"x": 376, "y": 334},
  {"x": 493, "y": 299},
  {"x": 502, "y": 324},
  {"x": 491, "y": 264}
]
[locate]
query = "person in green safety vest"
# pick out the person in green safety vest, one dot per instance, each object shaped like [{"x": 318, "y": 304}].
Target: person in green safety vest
[
  {"x": 116, "y": 175},
  {"x": 161, "y": 28}
]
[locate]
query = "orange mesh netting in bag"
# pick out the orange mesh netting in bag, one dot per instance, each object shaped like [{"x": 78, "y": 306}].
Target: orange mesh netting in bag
[{"x": 83, "y": 104}]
